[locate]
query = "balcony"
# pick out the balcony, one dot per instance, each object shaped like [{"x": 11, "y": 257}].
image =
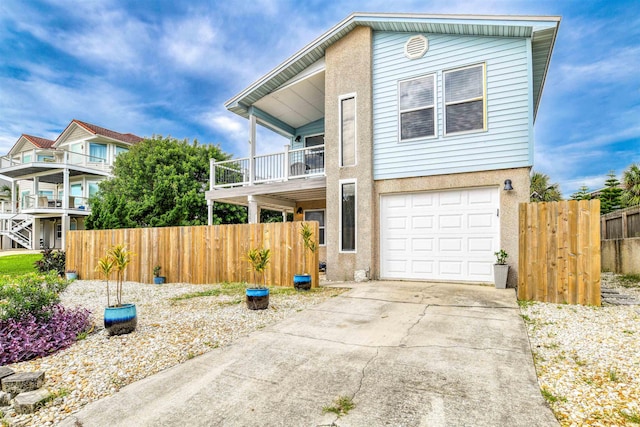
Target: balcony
[
  {"x": 39, "y": 160},
  {"x": 289, "y": 165}
]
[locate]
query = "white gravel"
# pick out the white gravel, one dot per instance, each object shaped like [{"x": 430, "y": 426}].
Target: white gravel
[
  {"x": 588, "y": 359},
  {"x": 168, "y": 333}
]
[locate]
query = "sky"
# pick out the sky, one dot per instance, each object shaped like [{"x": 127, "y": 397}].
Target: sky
[{"x": 167, "y": 67}]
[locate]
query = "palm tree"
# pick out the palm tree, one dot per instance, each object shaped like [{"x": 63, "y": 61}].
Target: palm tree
[
  {"x": 5, "y": 190},
  {"x": 542, "y": 191},
  {"x": 631, "y": 181}
]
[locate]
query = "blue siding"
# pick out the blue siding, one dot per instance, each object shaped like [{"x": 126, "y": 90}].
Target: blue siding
[
  {"x": 505, "y": 144},
  {"x": 310, "y": 129}
]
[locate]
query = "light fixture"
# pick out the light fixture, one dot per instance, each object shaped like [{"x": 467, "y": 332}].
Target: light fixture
[
  {"x": 298, "y": 138},
  {"x": 299, "y": 211},
  {"x": 507, "y": 185}
]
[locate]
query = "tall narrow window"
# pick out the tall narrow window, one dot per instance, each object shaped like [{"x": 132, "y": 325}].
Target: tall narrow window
[
  {"x": 316, "y": 215},
  {"x": 464, "y": 99},
  {"x": 348, "y": 131},
  {"x": 348, "y": 217},
  {"x": 417, "y": 108},
  {"x": 120, "y": 150},
  {"x": 97, "y": 153}
]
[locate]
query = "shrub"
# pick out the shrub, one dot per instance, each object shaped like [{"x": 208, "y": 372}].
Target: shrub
[
  {"x": 52, "y": 260},
  {"x": 29, "y": 337},
  {"x": 33, "y": 294}
]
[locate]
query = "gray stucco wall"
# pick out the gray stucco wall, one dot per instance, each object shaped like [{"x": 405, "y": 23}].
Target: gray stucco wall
[{"x": 348, "y": 71}]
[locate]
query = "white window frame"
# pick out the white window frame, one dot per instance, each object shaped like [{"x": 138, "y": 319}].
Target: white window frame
[
  {"x": 58, "y": 231},
  {"x": 355, "y": 216},
  {"x": 355, "y": 130},
  {"x": 323, "y": 227},
  {"x": 483, "y": 98},
  {"x": 434, "y": 106}
]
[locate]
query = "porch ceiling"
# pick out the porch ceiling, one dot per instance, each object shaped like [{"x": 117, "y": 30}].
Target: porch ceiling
[
  {"x": 297, "y": 103},
  {"x": 46, "y": 173},
  {"x": 300, "y": 190}
]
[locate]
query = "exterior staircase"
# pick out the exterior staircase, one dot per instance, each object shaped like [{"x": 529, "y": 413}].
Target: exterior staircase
[{"x": 18, "y": 228}]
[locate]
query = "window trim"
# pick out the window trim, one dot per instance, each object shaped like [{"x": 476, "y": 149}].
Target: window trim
[
  {"x": 434, "y": 76},
  {"x": 324, "y": 227},
  {"x": 484, "y": 99},
  {"x": 355, "y": 217},
  {"x": 355, "y": 130}
]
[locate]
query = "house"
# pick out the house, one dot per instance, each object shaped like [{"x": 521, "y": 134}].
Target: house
[
  {"x": 51, "y": 182},
  {"x": 411, "y": 142}
]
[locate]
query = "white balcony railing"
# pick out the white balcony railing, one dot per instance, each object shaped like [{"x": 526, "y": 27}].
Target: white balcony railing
[
  {"x": 290, "y": 164},
  {"x": 56, "y": 157},
  {"x": 33, "y": 203}
]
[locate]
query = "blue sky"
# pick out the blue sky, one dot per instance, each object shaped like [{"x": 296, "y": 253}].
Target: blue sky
[{"x": 167, "y": 67}]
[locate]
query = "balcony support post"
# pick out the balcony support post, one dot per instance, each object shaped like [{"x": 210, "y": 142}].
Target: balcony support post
[
  {"x": 253, "y": 214},
  {"x": 252, "y": 148},
  {"x": 14, "y": 197},
  {"x": 286, "y": 162}
]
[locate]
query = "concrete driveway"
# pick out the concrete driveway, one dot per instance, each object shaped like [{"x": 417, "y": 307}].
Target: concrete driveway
[{"x": 406, "y": 353}]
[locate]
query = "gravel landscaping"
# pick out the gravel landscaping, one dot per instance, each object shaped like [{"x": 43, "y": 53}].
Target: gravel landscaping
[
  {"x": 588, "y": 359},
  {"x": 170, "y": 330}
]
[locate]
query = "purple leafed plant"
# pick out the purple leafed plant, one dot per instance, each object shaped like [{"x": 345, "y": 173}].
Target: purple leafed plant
[{"x": 29, "y": 337}]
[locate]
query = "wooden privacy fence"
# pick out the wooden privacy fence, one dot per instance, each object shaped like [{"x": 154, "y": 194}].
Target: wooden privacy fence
[
  {"x": 559, "y": 254},
  {"x": 621, "y": 224},
  {"x": 199, "y": 254}
]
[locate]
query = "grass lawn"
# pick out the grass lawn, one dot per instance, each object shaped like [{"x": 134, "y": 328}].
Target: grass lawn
[{"x": 14, "y": 265}]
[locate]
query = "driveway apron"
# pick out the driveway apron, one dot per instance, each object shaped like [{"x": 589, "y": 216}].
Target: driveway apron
[{"x": 405, "y": 353}]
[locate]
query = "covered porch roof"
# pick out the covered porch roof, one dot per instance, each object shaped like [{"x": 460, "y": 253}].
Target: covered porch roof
[{"x": 292, "y": 94}]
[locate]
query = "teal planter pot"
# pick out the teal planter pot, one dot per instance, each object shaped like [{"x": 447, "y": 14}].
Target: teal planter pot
[
  {"x": 302, "y": 282},
  {"x": 159, "y": 280},
  {"x": 120, "y": 320},
  {"x": 257, "y": 298},
  {"x": 71, "y": 276}
]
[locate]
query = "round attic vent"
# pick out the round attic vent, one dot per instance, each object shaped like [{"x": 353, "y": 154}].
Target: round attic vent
[{"x": 416, "y": 47}]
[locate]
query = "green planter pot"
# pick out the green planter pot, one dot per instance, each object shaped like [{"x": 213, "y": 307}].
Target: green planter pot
[
  {"x": 120, "y": 320},
  {"x": 257, "y": 298}
]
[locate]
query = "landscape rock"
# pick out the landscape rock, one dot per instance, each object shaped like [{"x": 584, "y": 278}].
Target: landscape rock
[
  {"x": 19, "y": 383},
  {"x": 4, "y": 399},
  {"x": 29, "y": 402},
  {"x": 5, "y": 372}
]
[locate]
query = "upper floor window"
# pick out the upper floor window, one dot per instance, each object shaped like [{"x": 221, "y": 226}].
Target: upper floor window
[
  {"x": 465, "y": 99},
  {"x": 417, "y": 108},
  {"x": 348, "y": 131},
  {"x": 316, "y": 215},
  {"x": 97, "y": 152},
  {"x": 26, "y": 158},
  {"x": 121, "y": 150}
]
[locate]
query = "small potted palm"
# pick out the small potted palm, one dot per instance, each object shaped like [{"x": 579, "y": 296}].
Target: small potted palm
[
  {"x": 119, "y": 318},
  {"x": 303, "y": 281},
  {"x": 501, "y": 269},
  {"x": 157, "y": 278},
  {"x": 258, "y": 296}
]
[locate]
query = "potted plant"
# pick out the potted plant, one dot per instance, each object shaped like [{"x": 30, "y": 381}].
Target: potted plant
[
  {"x": 303, "y": 281},
  {"x": 157, "y": 278},
  {"x": 258, "y": 296},
  {"x": 71, "y": 274},
  {"x": 501, "y": 269},
  {"x": 119, "y": 318}
]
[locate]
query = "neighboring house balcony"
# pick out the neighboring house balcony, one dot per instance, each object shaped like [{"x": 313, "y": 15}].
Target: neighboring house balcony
[{"x": 276, "y": 181}]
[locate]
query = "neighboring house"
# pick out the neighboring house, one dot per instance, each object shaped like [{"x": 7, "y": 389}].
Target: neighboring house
[
  {"x": 411, "y": 142},
  {"x": 51, "y": 182}
]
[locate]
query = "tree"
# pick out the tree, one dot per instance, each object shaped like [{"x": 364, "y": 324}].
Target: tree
[
  {"x": 5, "y": 190},
  {"x": 542, "y": 191},
  {"x": 611, "y": 194},
  {"x": 631, "y": 182},
  {"x": 160, "y": 182},
  {"x": 581, "y": 194}
]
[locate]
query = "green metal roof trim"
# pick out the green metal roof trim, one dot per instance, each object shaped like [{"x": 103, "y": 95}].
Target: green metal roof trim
[{"x": 541, "y": 29}]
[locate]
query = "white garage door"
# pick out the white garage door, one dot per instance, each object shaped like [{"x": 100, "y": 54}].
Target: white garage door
[{"x": 444, "y": 235}]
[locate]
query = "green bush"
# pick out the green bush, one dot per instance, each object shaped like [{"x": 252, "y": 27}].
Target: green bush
[
  {"x": 29, "y": 294},
  {"x": 52, "y": 260}
]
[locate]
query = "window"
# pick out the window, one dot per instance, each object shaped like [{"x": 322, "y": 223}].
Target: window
[
  {"x": 464, "y": 99},
  {"x": 58, "y": 231},
  {"x": 417, "y": 108},
  {"x": 45, "y": 158},
  {"x": 93, "y": 188},
  {"x": 120, "y": 150},
  {"x": 317, "y": 215},
  {"x": 348, "y": 131},
  {"x": 97, "y": 152},
  {"x": 26, "y": 158},
  {"x": 314, "y": 159},
  {"x": 347, "y": 216}
]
